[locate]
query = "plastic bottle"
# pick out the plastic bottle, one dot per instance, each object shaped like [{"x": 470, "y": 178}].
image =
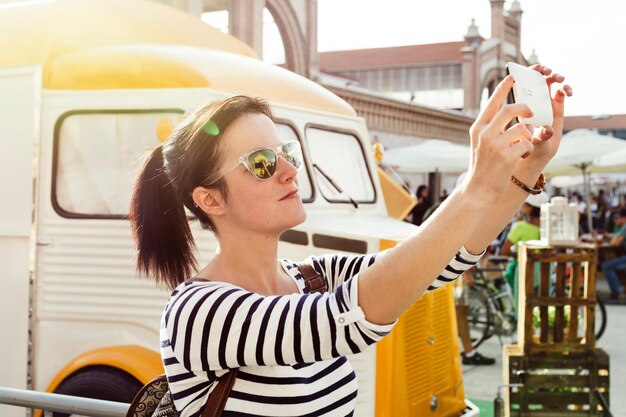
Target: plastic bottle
[{"x": 559, "y": 222}]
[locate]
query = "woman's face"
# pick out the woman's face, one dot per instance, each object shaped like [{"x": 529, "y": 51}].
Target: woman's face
[{"x": 268, "y": 206}]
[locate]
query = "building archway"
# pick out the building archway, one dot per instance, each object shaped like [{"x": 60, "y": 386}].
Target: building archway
[
  {"x": 289, "y": 28},
  {"x": 488, "y": 84}
]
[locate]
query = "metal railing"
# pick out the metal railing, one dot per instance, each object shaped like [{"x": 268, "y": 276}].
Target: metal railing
[{"x": 62, "y": 403}]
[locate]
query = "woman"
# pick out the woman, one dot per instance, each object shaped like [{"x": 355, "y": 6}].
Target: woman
[
  {"x": 226, "y": 165},
  {"x": 423, "y": 204}
]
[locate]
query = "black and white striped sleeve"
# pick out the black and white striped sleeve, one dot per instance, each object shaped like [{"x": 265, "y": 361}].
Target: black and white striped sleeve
[
  {"x": 463, "y": 260},
  {"x": 339, "y": 268},
  {"x": 212, "y": 326}
]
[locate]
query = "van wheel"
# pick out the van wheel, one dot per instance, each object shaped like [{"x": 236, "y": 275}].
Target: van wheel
[{"x": 100, "y": 382}]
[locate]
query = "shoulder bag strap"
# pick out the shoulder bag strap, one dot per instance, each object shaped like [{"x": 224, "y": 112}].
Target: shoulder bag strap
[
  {"x": 217, "y": 400},
  {"x": 313, "y": 280}
]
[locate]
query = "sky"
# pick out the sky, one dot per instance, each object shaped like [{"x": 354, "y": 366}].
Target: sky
[{"x": 582, "y": 40}]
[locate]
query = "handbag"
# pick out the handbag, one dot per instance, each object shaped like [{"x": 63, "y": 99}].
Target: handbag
[{"x": 155, "y": 398}]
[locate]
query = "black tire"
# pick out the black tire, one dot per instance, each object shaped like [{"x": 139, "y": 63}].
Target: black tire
[
  {"x": 100, "y": 382},
  {"x": 479, "y": 316},
  {"x": 601, "y": 318}
]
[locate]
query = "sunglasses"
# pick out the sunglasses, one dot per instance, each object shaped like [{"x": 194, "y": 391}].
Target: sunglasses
[{"x": 262, "y": 162}]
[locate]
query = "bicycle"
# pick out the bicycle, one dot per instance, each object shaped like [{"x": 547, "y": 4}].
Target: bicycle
[{"x": 492, "y": 309}]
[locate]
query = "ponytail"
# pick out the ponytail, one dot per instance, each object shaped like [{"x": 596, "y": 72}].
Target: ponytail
[{"x": 164, "y": 241}]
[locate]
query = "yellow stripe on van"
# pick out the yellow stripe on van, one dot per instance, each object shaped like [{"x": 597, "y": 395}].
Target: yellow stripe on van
[
  {"x": 133, "y": 44},
  {"x": 55, "y": 27},
  {"x": 175, "y": 66},
  {"x": 143, "y": 364}
]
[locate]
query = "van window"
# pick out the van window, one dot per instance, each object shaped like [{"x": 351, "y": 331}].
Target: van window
[
  {"x": 97, "y": 157},
  {"x": 340, "y": 156},
  {"x": 287, "y": 133}
]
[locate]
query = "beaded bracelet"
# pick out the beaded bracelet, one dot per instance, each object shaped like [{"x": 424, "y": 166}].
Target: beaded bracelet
[{"x": 534, "y": 191}]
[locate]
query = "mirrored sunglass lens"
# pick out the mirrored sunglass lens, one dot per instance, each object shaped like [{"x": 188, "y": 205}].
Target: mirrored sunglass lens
[
  {"x": 263, "y": 163},
  {"x": 293, "y": 153}
]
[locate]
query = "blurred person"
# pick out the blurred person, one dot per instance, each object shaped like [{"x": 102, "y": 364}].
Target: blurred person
[
  {"x": 432, "y": 208},
  {"x": 423, "y": 204},
  {"x": 581, "y": 206},
  {"x": 602, "y": 211},
  {"x": 611, "y": 227},
  {"x": 612, "y": 267}
]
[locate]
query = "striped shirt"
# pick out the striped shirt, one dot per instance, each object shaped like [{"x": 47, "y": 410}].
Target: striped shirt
[{"x": 290, "y": 349}]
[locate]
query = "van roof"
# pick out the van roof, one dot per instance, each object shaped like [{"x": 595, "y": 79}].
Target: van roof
[{"x": 121, "y": 44}]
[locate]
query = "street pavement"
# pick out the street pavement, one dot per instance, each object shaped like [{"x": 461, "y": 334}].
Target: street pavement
[{"x": 481, "y": 382}]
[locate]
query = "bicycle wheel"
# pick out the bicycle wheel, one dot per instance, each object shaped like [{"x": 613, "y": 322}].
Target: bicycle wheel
[
  {"x": 479, "y": 316},
  {"x": 601, "y": 318}
]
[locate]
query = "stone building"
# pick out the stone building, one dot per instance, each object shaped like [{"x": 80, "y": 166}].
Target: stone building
[
  {"x": 406, "y": 94},
  {"x": 605, "y": 124},
  {"x": 449, "y": 75}
]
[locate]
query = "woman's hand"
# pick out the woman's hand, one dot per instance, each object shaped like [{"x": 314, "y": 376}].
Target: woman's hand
[
  {"x": 495, "y": 149},
  {"x": 546, "y": 139},
  {"x": 538, "y": 145},
  {"x": 541, "y": 143}
]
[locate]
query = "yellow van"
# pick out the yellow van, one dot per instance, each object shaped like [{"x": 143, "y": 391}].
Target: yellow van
[{"x": 86, "y": 88}]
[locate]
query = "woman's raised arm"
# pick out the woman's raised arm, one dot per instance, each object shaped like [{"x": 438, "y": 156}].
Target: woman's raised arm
[
  {"x": 473, "y": 214},
  {"x": 546, "y": 141}
]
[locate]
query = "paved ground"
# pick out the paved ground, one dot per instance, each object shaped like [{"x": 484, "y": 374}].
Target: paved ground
[{"x": 481, "y": 382}]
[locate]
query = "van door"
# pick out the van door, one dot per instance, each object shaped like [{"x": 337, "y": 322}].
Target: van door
[{"x": 19, "y": 110}]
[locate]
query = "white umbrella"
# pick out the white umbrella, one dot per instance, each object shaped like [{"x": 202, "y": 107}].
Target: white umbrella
[
  {"x": 616, "y": 161},
  {"x": 602, "y": 179},
  {"x": 429, "y": 156},
  {"x": 577, "y": 153}
]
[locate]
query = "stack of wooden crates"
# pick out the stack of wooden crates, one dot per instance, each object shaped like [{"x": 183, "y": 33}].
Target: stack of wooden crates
[{"x": 556, "y": 357}]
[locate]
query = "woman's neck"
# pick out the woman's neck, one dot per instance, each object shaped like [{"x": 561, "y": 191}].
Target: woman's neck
[{"x": 250, "y": 261}]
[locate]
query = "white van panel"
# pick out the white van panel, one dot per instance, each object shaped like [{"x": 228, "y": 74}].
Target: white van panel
[{"x": 19, "y": 107}]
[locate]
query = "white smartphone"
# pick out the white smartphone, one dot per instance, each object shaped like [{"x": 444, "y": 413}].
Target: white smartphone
[{"x": 530, "y": 88}]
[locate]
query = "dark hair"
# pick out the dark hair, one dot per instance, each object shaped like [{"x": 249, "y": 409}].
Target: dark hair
[
  {"x": 621, "y": 212},
  {"x": 535, "y": 212},
  {"x": 165, "y": 184},
  {"x": 419, "y": 191}
]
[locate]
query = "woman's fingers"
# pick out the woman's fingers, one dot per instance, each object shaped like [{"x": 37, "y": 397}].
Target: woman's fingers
[
  {"x": 518, "y": 132},
  {"x": 541, "y": 69},
  {"x": 558, "y": 105},
  {"x": 564, "y": 91},
  {"x": 545, "y": 133},
  {"x": 555, "y": 78},
  {"x": 504, "y": 116},
  {"x": 495, "y": 101},
  {"x": 521, "y": 148}
]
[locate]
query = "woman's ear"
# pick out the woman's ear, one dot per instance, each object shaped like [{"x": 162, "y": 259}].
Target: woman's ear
[{"x": 208, "y": 200}]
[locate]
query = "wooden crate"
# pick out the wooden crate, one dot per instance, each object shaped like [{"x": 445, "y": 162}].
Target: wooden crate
[
  {"x": 560, "y": 329},
  {"x": 557, "y": 384}
]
